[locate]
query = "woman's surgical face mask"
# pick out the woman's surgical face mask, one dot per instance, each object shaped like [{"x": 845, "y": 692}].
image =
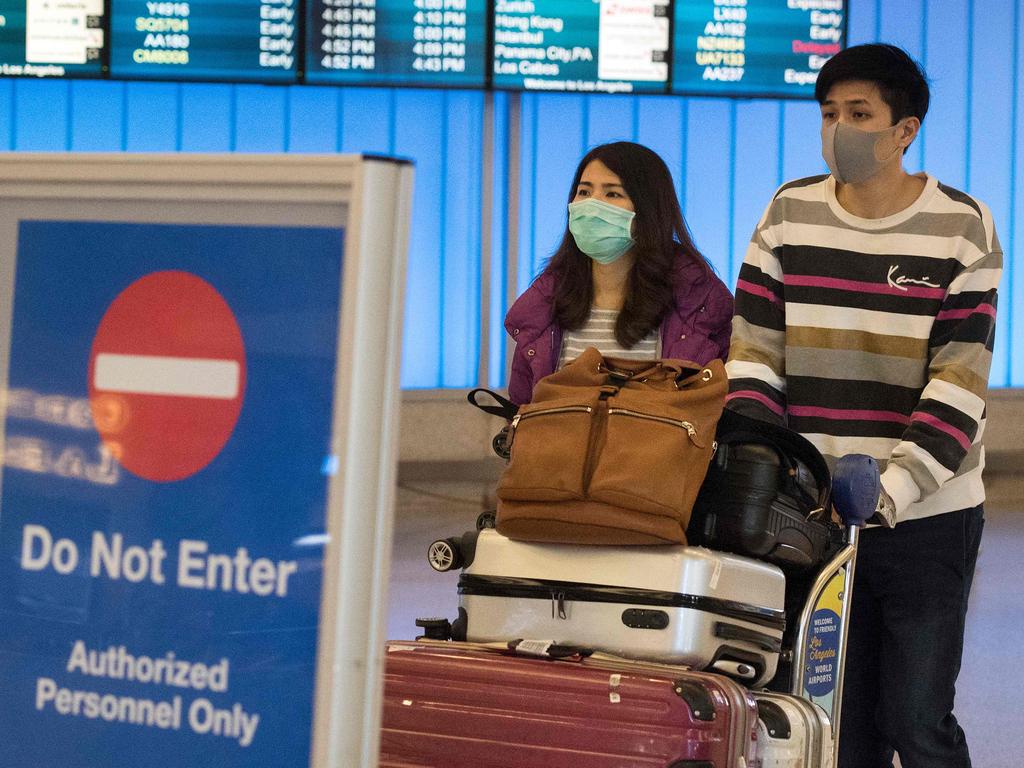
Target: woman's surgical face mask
[
  {"x": 601, "y": 230},
  {"x": 854, "y": 155}
]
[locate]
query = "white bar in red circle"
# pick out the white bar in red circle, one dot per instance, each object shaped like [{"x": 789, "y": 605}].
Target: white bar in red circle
[{"x": 175, "y": 376}]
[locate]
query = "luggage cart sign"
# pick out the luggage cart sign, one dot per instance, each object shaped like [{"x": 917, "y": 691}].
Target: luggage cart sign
[
  {"x": 824, "y": 635},
  {"x": 163, "y": 493}
]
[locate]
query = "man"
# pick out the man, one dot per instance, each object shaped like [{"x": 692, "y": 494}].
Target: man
[{"x": 865, "y": 313}]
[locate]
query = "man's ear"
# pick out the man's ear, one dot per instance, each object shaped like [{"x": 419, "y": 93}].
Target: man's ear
[{"x": 908, "y": 132}]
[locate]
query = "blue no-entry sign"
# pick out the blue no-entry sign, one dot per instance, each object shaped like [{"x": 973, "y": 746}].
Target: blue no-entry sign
[{"x": 163, "y": 493}]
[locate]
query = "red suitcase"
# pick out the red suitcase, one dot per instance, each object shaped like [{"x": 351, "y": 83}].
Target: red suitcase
[{"x": 459, "y": 704}]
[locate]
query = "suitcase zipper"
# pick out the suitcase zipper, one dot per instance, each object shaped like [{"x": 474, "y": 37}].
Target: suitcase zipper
[{"x": 690, "y": 429}]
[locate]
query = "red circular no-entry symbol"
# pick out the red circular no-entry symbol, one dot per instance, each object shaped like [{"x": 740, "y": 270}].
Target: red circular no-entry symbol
[{"x": 167, "y": 375}]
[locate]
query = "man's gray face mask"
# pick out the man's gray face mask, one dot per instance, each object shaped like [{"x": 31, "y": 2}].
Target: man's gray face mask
[{"x": 852, "y": 154}]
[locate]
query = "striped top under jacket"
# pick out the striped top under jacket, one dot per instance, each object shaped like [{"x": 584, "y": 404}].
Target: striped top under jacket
[{"x": 874, "y": 335}]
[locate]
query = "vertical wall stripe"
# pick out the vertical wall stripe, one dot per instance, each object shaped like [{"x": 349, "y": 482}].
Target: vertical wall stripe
[
  {"x": 991, "y": 148},
  {"x": 780, "y": 162},
  {"x": 445, "y": 264},
  {"x": 179, "y": 126},
  {"x": 684, "y": 122},
  {"x": 731, "y": 248},
  {"x": 1008, "y": 306},
  {"x": 7, "y": 116},
  {"x": 499, "y": 232},
  {"x": 970, "y": 93},
  {"x": 70, "y": 96}
]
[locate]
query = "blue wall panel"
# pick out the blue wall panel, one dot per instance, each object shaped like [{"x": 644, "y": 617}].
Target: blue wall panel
[
  {"x": 709, "y": 167},
  {"x": 368, "y": 120},
  {"x": 152, "y": 117},
  {"x": 460, "y": 276},
  {"x": 661, "y": 125},
  {"x": 944, "y": 135},
  {"x": 420, "y": 118},
  {"x": 41, "y": 113},
  {"x": 97, "y": 116},
  {"x": 261, "y": 118},
  {"x": 863, "y": 22},
  {"x": 560, "y": 130},
  {"x": 208, "y": 118},
  {"x": 609, "y": 118},
  {"x": 313, "y": 125},
  {"x": 755, "y": 176},
  {"x": 726, "y": 157}
]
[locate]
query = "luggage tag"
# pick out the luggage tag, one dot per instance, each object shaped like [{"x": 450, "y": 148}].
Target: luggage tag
[{"x": 548, "y": 649}]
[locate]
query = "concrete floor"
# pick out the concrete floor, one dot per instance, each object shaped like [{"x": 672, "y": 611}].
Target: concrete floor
[{"x": 992, "y": 678}]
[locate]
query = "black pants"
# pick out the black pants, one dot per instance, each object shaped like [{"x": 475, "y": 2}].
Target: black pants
[{"x": 905, "y": 643}]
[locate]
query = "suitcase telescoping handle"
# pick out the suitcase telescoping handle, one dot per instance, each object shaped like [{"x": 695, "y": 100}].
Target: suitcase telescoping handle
[{"x": 855, "y": 489}]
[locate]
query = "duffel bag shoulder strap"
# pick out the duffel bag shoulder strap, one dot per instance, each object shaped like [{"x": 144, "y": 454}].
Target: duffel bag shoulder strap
[{"x": 734, "y": 427}]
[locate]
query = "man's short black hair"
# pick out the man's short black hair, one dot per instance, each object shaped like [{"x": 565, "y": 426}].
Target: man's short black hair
[{"x": 900, "y": 79}]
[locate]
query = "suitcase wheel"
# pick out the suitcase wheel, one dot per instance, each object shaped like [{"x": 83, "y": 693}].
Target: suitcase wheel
[{"x": 444, "y": 555}]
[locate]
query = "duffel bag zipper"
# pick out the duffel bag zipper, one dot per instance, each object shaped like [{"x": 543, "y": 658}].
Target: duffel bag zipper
[
  {"x": 690, "y": 429},
  {"x": 546, "y": 412}
]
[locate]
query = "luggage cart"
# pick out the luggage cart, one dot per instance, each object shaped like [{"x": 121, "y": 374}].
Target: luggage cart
[{"x": 813, "y": 672}]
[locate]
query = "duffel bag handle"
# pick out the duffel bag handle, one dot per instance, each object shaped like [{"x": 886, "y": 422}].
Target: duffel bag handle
[{"x": 505, "y": 408}]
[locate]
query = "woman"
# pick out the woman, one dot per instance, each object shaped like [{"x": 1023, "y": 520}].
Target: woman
[{"x": 626, "y": 278}]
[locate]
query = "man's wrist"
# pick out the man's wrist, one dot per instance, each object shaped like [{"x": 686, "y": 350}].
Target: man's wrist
[{"x": 885, "y": 510}]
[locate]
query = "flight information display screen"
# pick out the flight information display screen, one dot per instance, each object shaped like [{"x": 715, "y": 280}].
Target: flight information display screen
[
  {"x": 754, "y": 47},
  {"x": 581, "y": 46},
  {"x": 236, "y": 40},
  {"x": 51, "y": 38},
  {"x": 397, "y": 42}
]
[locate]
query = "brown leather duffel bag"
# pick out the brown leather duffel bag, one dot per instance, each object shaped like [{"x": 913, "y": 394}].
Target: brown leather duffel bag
[{"x": 611, "y": 452}]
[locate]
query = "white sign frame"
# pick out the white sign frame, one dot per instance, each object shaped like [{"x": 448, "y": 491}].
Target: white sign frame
[{"x": 371, "y": 198}]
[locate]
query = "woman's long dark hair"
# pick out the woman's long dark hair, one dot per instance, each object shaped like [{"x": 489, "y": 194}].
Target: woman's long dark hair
[{"x": 660, "y": 234}]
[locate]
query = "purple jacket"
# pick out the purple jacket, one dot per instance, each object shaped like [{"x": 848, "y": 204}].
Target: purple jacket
[{"x": 696, "y": 329}]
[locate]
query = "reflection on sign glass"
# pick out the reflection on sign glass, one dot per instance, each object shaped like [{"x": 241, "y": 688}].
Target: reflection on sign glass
[
  {"x": 611, "y": 46},
  {"x": 396, "y": 42},
  {"x": 46, "y": 38},
  {"x": 755, "y": 47},
  {"x": 209, "y": 40}
]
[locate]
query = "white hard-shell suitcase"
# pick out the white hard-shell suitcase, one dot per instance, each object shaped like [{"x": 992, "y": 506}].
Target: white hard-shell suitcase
[
  {"x": 669, "y": 604},
  {"x": 792, "y": 732}
]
